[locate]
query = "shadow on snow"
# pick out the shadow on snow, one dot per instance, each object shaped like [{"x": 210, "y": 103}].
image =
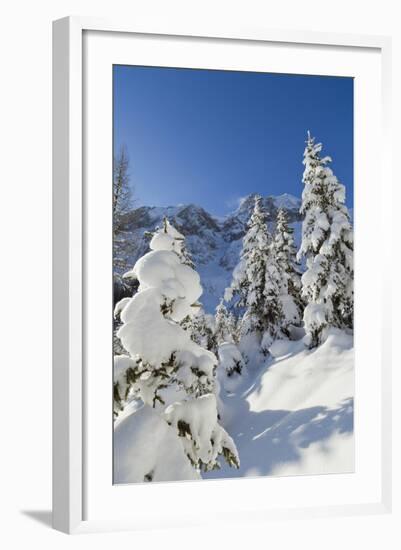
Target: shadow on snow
[{"x": 271, "y": 438}]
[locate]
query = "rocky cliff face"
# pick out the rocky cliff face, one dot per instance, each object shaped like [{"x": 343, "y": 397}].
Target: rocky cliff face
[{"x": 215, "y": 244}]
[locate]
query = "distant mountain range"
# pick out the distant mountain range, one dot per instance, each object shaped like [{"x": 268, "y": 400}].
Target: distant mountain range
[{"x": 214, "y": 243}]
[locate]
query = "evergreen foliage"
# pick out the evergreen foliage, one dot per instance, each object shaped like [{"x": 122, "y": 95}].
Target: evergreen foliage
[
  {"x": 122, "y": 204},
  {"x": 285, "y": 254},
  {"x": 256, "y": 282},
  {"x": 327, "y": 245},
  {"x": 225, "y": 325},
  {"x": 164, "y": 367},
  {"x": 201, "y": 329}
]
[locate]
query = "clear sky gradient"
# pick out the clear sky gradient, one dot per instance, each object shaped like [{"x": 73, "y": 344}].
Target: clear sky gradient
[{"x": 213, "y": 137}]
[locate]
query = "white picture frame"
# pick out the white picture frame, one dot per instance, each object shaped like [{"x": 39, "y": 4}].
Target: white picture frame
[{"x": 70, "y": 425}]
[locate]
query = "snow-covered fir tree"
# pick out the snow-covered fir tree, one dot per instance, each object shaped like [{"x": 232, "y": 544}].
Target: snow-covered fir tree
[
  {"x": 201, "y": 329},
  {"x": 179, "y": 245},
  {"x": 162, "y": 366},
  {"x": 327, "y": 245},
  {"x": 235, "y": 324},
  {"x": 186, "y": 257},
  {"x": 285, "y": 253},
  {"x": 230, "y": 358},
  {"x": 123, "y": 202},
  {"x": 256, "y": 282},
  {"x": 225, "y": 326},
  {"x": 199, "y": 324}
]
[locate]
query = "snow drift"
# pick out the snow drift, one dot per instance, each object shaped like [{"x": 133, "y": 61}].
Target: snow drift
[
  {"x": 296, "y": 415},
  {"x": 148, "y": 450}
]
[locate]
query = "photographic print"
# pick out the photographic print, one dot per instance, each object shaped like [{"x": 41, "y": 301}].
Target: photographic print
[{"x": 232, "y": 274}]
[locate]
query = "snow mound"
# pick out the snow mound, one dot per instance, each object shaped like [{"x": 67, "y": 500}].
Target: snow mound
[
  {"x": 321, "y": 377},
  {"x": 146, "y": 448},
  {"x": 281, "y": 348}
]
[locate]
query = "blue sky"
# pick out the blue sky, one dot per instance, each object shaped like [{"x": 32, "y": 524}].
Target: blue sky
[{"x": 213, "y": 137}]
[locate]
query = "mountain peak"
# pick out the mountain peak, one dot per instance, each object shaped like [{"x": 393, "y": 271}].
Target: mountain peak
[
  {"x": 214, "y": 243},
  {"x": 270, "y": 202},
  {"x": 287, "y": 201}
]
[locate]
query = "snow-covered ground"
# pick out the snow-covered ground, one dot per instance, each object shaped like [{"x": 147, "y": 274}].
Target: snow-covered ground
[
  {"x": 147, "y": 449},
  {"x": 295, "y": 414}
]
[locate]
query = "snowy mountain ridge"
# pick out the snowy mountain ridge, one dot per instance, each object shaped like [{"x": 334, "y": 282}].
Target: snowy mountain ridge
[{"x": 214, "y": 243}]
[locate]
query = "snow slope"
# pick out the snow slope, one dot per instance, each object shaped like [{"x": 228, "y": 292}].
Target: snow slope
[{"x": 294, "y": 416}]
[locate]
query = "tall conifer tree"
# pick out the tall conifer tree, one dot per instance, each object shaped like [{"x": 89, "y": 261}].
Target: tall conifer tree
[
  {"x": 327, "y": 245},
  {"x": 285, "y": 253},
  {"x": 256, "y": 282}
]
